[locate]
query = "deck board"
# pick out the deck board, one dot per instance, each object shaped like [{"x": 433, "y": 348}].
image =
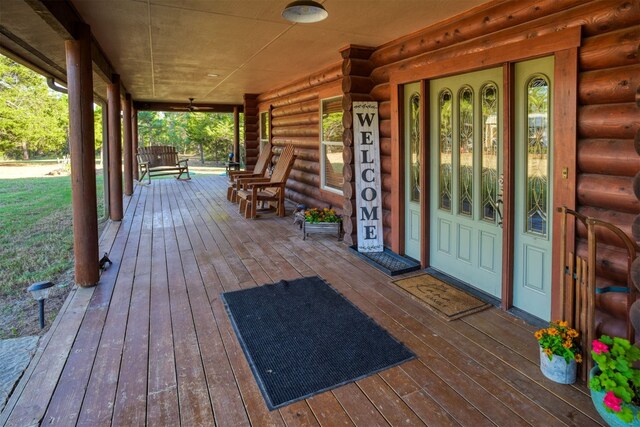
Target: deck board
[{"x": 153, "y": 344}]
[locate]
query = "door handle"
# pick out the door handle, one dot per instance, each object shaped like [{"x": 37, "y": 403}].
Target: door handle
[{"x": 499, "y": 203}]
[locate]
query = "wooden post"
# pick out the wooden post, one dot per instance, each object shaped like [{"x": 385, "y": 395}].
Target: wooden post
[
  {"x": 236, "y": 134},
  {"x": 115, "y": 150},
  {"x": 134, "y": 147},
  {"x": 82, "y": 148},
  {"x": 128, "y": 146}
]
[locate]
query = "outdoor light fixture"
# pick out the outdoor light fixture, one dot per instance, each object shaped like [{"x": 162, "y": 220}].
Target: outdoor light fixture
[
  {"x": 40, "y": 292},
  {"x": 304, "y": 11}
]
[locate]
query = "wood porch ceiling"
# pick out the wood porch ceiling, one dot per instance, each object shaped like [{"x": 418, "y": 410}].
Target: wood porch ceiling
[{"x": 165, "y": 50}]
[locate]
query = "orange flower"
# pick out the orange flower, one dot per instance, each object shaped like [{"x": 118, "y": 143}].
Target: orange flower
[
  {"x": 562, "y": 323},
  {"x": 547, "y": 351},
  {"x": 552, "y": 331},
  {"x": 573, "y": 333},
  {"x": 578, "y": 358},
  {"x": 538, "y": 334},
  {"x": 567, "y": 344}
]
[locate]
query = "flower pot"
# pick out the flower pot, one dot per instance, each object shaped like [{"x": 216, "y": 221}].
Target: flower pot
[
  {"x": 597, "y": 397},
  {"x": 558, "y": 369}
]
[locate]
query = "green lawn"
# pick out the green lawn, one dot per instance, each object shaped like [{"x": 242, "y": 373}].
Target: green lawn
[{"x": 36, "y": 240}]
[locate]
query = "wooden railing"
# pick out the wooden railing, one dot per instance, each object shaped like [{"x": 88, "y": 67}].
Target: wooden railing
[{"x": 578, "y": 282}]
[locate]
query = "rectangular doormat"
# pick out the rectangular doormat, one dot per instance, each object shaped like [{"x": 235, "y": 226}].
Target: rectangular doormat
[
  {"x": 301, "y": 337},
  {"x": 446, "y": 300}
]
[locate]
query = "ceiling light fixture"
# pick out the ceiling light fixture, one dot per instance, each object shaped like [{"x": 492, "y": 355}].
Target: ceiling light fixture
[
  {"x": 213, "y": 75},
  {"x": 304, "y": 11}
]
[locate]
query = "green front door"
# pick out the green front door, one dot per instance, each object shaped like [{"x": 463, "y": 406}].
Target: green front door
[
  {"x": 533, "y": 180},
  {"x": 412, "y": 143},
  {"x": 466, "y": 165}
]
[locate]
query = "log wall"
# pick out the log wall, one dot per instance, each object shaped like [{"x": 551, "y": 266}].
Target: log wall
[
  {"x": 608, "y": 147},
  {"x": 295, "y": 119},
  {"x": 251, "y": 129}
]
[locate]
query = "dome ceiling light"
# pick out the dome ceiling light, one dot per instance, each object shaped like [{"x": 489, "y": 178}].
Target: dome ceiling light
[{"x": 304, "y": 11}]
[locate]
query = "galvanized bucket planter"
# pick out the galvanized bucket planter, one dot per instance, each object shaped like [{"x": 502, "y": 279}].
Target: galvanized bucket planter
[
  {"x": 558, "y": 369},
  {"x": 322, "y": 227}
]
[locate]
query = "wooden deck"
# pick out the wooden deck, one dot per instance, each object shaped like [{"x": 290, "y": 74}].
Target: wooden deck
[{"x": 152, "y": 344}]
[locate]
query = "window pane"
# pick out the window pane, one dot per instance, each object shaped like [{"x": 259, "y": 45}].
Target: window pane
[
  {"x": 333, "y": 165},
  {"x": 414, "y": 146},
  {"x": 537, "y": 161},
  {"x": 490, "y": 124},
  {"x": 465, "y": 185},
  {"x": 264, "y": 126},
  {"x": 332, "y": 120},
  {"x": 446, "y": 142}
]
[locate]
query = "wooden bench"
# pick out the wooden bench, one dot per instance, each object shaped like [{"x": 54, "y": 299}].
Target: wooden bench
[{"x": 158, "y": 160}]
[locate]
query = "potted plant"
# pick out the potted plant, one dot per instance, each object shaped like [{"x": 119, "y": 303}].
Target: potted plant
[
  {"x": 614, "y": 382},
  {"x": 559, "y": 352},
  {"x": 321, "y": 221}
]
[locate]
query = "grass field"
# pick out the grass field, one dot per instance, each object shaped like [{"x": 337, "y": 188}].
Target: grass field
[{"x": 36, "y": 243}]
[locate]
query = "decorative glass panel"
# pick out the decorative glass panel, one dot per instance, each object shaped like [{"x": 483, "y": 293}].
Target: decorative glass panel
[
  {"x": 490, "y": 125},
  {"x": 537, "y": 161},
  {"x": 465, "y": 130},
  {"x": 414, "y": 146},
  {"x": 445, "y": 106},
  {"x": 332, "y": 147}
]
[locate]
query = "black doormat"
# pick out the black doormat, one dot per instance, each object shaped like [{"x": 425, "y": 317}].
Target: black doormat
[
  {"x": 388, "y": 262},
  {"x": 301, "y": 337}
]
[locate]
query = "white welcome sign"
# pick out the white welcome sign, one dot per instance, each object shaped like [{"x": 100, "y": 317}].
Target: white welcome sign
[{"x": 368, "y": 183}]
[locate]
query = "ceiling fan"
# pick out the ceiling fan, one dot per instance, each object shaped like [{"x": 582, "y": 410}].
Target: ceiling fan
[{"x": 192, "y": 108}]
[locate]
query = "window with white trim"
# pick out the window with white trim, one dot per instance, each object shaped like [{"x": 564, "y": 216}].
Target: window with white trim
[
  {"x": 264, "y": 129},
  {"x": 331, "y": 146}
]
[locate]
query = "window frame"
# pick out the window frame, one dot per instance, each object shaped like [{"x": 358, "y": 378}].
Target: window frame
[{"x": 261, "y": 141}]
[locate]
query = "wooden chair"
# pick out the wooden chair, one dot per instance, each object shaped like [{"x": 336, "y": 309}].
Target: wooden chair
[
  {"x": 259, "y": 171},
  {"x": 271, "y": 191}
]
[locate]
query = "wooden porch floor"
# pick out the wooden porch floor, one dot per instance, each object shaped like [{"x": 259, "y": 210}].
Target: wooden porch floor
[{"x": 152, "y": 344}]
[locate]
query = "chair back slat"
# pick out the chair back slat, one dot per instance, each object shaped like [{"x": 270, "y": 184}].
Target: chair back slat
[
  {"x": 263, "y": 160},
  {"x": 284, "y": 165}
]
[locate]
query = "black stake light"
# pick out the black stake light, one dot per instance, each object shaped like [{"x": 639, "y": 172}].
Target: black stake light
[{"x": 40, "y": 291}]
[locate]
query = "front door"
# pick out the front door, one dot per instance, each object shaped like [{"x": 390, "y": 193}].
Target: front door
[
  {"x": 412, "y": 142},
  {"x": 466, "y": 165},
  {"x": 533, "y": 180}
]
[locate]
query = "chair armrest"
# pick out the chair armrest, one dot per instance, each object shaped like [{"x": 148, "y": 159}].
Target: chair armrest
[
  {"x": 248, "y": 181},
  {"x": 185, "y": 161},
  {"x": 242, "y": 174},
  {"x": 265, "y": 184}
]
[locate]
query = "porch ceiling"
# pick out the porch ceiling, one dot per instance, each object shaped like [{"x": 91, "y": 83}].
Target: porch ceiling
[{"x": 165, "y": 49}]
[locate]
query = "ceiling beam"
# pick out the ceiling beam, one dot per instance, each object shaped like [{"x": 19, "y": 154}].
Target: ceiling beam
[
  {"x": 62, "y": 18},
  {"x": 177, "y": 107}
]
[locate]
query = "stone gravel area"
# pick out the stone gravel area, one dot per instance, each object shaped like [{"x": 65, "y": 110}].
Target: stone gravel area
[{"x": 15, "y": 355}]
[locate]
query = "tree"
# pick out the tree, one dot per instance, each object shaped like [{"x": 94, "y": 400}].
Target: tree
[{"x": 33, "y": 118}]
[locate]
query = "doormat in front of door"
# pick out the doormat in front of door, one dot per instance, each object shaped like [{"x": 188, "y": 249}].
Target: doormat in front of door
[{"x": 446, "y": 300}]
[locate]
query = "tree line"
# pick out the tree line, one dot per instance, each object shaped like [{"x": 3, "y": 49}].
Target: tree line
[{"x": 34, "y": 122}]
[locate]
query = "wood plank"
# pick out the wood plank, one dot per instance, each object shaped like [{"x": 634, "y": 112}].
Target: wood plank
[
  {"x": 162, "y": 388},
  {"x": 99, "y": 399},
  {"x": 388, "y": 403}
]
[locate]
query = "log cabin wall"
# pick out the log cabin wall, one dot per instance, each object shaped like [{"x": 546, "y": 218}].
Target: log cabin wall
[
  {"x": 608, "y": 113},
  {"x": 295, "y": 119},
  {"x": 251, "y": 130}
]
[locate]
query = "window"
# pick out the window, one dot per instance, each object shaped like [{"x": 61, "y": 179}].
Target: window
[
  {"x": 264, "y": 129},
  {"x": 331, "y": 162}
]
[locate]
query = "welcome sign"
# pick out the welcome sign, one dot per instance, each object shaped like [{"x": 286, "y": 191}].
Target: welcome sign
[{"x": 368, "y": 183}]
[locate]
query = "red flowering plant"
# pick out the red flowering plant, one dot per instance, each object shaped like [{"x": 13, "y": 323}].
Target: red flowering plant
[
  {"x": 560, "y": 340},
  {"x": 314, "y": 215},
  {"x": 617, "y": 378}
]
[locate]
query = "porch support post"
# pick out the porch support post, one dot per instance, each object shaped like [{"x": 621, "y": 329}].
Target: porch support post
[
  {"x": 82, "y": 148},
  {"x": 115, "y": 149},
  {"x": 128, "y": 144},
  {"x": 236, "y": 134},
  {"x": 134, "y": 146}
]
